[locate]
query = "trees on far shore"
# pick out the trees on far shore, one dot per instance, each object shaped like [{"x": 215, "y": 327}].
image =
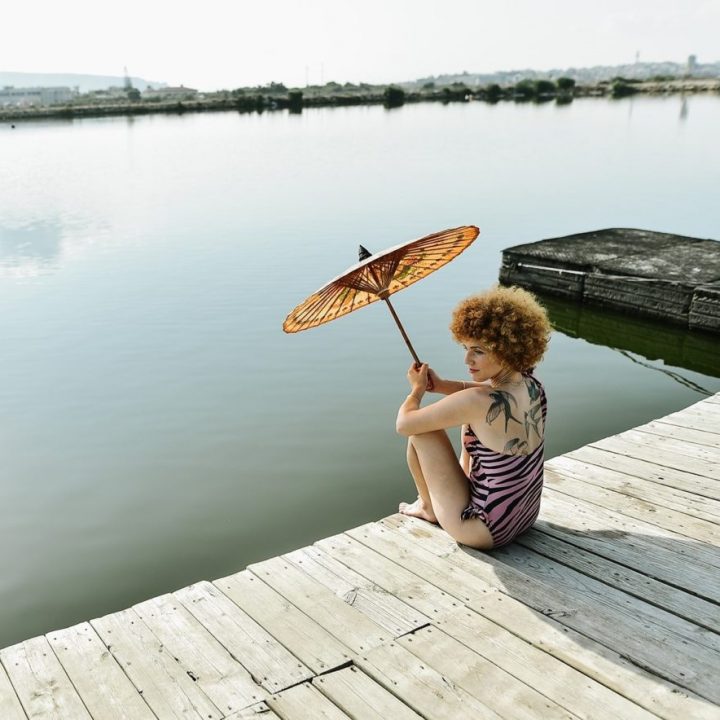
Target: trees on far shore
[
  {"x": 394, "y": 96},
  {"x": 276, "y": 96}
]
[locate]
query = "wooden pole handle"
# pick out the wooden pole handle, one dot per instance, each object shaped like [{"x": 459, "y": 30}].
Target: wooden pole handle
[{"x": 402, "y": 330}]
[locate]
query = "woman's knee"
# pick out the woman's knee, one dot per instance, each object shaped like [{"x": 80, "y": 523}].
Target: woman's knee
[
  {"x": 432, "y": 436},
  {"x": 431, "y": 443}
]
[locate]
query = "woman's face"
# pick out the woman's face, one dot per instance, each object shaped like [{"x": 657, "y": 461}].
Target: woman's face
[{"x": 482, "y": 364}]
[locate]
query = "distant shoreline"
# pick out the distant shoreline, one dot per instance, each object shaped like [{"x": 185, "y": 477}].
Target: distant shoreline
[{"x": 391, "y": 96}]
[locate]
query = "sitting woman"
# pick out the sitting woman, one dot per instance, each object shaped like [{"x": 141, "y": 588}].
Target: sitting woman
[{"x": 493, "y": 495}]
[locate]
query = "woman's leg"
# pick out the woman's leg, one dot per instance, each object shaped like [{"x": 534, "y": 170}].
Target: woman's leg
[
  {"x": 448, "y": 489},
  {"x": 422, "y": 507}
]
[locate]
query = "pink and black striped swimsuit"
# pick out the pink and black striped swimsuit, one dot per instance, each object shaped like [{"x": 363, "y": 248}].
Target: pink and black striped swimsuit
[{"x": 505, "y": 489}]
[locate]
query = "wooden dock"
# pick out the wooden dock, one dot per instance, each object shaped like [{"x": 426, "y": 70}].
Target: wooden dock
[
  {"x": 672, "y": 278},
  {"x": 608, "y": 608}
]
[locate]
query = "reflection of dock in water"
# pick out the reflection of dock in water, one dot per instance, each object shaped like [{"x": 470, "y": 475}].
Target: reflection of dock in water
[
  {"x": 651, "y": 339},
  {"x": 608, "y": 607},
  {"x": 676, "y": 376}
]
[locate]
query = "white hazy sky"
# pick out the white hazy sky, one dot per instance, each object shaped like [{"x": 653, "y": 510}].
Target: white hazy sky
[{"x": 214, "y": 44}]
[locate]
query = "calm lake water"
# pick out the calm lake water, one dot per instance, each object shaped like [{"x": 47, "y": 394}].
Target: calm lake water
[{"x": 156, "y": 425}]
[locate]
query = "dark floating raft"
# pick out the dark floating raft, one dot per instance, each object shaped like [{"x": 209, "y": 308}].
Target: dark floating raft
[{"x": 670, "y": 277}]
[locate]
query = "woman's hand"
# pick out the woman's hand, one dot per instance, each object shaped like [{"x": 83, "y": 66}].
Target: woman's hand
[
  {"x": 418, "y": 378},
  {"x": 434, "y": 381}
]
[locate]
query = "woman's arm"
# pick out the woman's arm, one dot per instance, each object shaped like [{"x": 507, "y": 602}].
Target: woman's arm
[
  {"x": 448, "y": 387},
  {"x": 456, "y": 409}
]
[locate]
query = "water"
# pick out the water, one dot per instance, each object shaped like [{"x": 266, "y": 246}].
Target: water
[{"x": 156, "y": 425}]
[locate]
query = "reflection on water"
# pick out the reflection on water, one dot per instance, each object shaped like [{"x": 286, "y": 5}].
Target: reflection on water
[
  {"x": 37, "y": 247},
  {"x": 29, "y": 250},
  {"x": 676, "y": 376},
  {"x": 673, "y": 345},
  {"x": 684, "y": 108}
]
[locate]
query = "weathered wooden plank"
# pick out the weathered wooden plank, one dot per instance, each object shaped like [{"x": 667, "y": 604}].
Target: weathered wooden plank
[
  {"x": 259, "y": 711},
  {"x": 666, "y": 453},
  {"x": 613, "y": 602},
  {"x": 693, "y": 451},
  {"x": 165, "y": 686},
  {"x": 347, "y": 624},
  {"x": 647, "y": 470},
  {"x": 305, "y": 639},
  {"x": 704, "y": 312},
  {"x": 579, "y": 693},
  {"x": 681, "y": 603},
  {"x": 600, "y": 663},
  {"x": 393, "y": 575},
  {"x": 270, "y": 664},
  {"x": 706, "y": 405},
  {"x": 415, "y": 591},
  {"x": 689, "y": 421},
  {"x": 379, "y": 605},
  {"x": 662, "y": 299},
  {"x": 681, "y": 432},
  {"x": 425, "y": 690},
  {"x": 10, "y": 707},
  {"x": 706, "y": 411},
  {"x": 549, "y": 629},
  {"x": 104, "y": 688},
  {"x": 645, "y": 510},
  {"x": 493, "y": 686},
  {"x": 695, "y": 418},
  {"x": 199, "y": 654},
  {"x": 649, "y": 645},
  {"x": 356, "y": 694},
  {"x": 636, "y": 487},
  {"x": 304, "y": 702},
  {"x": 660, "y": 553},
  {"x": 41, "y": 683}
]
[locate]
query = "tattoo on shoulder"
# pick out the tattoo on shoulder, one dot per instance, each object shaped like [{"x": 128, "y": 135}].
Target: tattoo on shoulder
[
  {"x": 502, "y": 402},
  {"x": 533, "y": 416},
  {"x": 505, "y": 403},
  {"x": 532, "y": 388}
]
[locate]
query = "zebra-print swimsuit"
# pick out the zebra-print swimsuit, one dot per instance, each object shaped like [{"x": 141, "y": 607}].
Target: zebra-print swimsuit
[{"x": 505, "y": 489}]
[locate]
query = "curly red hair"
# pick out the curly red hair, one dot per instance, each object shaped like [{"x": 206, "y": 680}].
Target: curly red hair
[{"x": 508, "y": 322}]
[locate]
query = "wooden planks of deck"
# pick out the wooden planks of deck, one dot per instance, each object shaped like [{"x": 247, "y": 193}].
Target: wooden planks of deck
[{"x": 608, "y": 607}]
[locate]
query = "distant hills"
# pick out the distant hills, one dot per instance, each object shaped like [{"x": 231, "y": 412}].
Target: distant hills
[
  {"x": 583, "y": 76},
  {"x": 85, "y": 83}
]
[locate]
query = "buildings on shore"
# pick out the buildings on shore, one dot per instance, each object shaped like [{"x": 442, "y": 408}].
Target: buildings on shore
[
  {"x": 170, "y": 93},
  {"x": 26, "y": 97},
  {"x": 36, "y": 96},
  {"x": 582, "y": 76}
]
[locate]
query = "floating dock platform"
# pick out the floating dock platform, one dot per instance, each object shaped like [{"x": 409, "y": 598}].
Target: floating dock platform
[
  {"x": 670, "y": 277},
  {"x": 608, "y": 607}
]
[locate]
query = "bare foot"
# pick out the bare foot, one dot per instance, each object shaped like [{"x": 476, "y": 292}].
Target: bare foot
[{"x": 418, "y": 509}]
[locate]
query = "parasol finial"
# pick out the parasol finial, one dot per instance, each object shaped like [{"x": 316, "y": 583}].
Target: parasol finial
[{"x": 363, "y": 253}]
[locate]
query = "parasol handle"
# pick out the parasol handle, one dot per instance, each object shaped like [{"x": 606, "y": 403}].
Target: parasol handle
[{"x": 402, "y": 330}]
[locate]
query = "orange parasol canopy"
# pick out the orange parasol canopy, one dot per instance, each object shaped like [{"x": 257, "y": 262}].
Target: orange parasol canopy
[{"x": 378, "y": 276}]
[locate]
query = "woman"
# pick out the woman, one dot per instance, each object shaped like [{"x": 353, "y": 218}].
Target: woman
[{"x": 493, "y": 495}]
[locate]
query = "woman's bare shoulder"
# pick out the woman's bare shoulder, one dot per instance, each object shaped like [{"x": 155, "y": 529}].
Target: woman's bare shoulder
[{"x": 509, "y": 419}]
